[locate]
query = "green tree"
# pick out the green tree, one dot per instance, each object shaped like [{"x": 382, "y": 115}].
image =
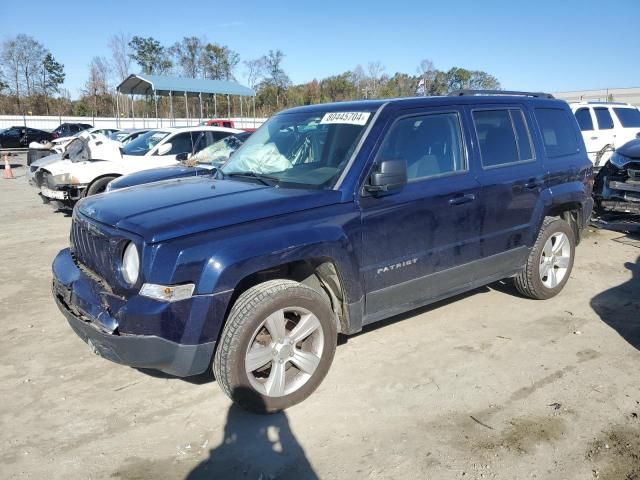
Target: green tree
[
  {"x": 188, "y": 55},
  {"x": 276, "y": 81},
  {"x": 52, "y": 78},
  {"x": 219, "y": 62},
  {"x": 337, "y": 88},
  {"x": 150, "y": 55}
]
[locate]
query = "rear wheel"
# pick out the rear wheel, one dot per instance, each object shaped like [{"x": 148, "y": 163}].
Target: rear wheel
[
  {"x": 276, "y": 347},
  {"x": 99, "y": 186},
  {"x": 550, "y": 262}
]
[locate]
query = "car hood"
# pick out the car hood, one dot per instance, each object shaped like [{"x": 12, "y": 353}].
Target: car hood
[
  {"x": 156, "y": 175},
  {"x": 49, "y": 159},
  {"x": 630, "y": 149},
  {"x": 173, "y": 208}
]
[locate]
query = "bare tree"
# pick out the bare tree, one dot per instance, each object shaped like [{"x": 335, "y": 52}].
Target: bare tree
[
  {"x": 97, "y": 85},
  {"x": 375, "y": 71},
  {"x": 121, "y": 55},
  {"x": 427, "y": 72},
  {"x": 254, "y": 71},
  {"x": 359, "y": 78},
  {"x": 22, "y": 58}
]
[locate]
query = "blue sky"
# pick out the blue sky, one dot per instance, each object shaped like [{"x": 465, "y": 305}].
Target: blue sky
[{"x": 533, "y": 45}]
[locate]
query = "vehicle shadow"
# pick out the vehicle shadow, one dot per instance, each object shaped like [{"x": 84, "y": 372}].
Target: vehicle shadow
[
  {"x": 255, "y": 446},
  {"x": 200, "y": 379},
  {"x": 619, "y": 307}
]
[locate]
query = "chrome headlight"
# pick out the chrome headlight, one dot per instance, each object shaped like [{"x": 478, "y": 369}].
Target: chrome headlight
[
  {"x": 619, "y": 160},
  {"x": 130, "y": 264}
]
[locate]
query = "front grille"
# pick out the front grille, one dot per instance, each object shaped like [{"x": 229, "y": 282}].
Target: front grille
[{"x": 93, "y": 249}]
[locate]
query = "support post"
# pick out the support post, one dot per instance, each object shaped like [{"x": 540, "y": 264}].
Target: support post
[
  {"x": 215, "y": 106},
  {"x": 117, "y": 108},
  {"x": 200, "y": 97},
  {"x": 241, "y": 115},
  {"x": 155, "y": 99},
  {"x": 133, "y": 112},
  {"x": 228, "y": 108},
  {"x": 171, "y": 108},
  {"x": 254, "y": 111},
  {"x": 186, "y": 108}
]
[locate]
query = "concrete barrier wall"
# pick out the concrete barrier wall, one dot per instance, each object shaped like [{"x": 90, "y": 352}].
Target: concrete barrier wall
[{"x": 51, "y": 122}]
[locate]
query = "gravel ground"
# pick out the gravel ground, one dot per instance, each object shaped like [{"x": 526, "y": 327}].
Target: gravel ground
[{"x": 486, "y": 385}]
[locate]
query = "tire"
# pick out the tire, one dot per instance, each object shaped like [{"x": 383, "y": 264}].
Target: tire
[
  {"x": 550, "y": 262},
  {"x": 98, "y": 186},
  {"x": 261, "y": 329}
]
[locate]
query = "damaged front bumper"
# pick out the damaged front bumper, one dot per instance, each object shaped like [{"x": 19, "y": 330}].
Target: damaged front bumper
[
  {"x": 617, "y": 190},
  {"x": 176, "y": 338},
  {"x": 62, "y": 196}
]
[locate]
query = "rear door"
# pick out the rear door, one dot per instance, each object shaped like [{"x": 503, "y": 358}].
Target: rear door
[
  {"x": 587, "y": 123},
  {"x": 419, "y": 241},
  {"x": 511, "y": 176},
  {"x": 606, "y": 133}
]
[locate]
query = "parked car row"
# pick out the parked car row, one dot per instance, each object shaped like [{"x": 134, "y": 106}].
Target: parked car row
[{"x": 89, "y": 161}]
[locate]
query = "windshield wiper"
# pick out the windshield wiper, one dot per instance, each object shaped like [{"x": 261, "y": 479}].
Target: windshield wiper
[{"x": 258, "y": 176}]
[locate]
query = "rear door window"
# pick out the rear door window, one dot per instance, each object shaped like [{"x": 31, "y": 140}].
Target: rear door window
[
  {"x": 558, "y": 131},
  {"x": 180, "y": 143},
  {"x": 503, "y": 136},
  {"x": 629, "y": 117},
  {"x": 583, "y": 116},
  {"x": 605, "y": 122}
]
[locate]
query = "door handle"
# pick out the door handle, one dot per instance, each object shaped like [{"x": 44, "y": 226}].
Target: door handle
[
  {"x": 594, "y": 138},
  {"x": 533, "y": 184},
  {"x": 461, "y": 199}
]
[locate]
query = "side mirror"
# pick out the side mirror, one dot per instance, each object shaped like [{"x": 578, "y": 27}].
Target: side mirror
[
  {"x": 181, "y": 157},
  {"x": 164, "y": 148},
  {"x": 390, "y": 175}
]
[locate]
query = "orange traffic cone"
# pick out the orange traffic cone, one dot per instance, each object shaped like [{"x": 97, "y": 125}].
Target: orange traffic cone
[{"x": 7, "y": 167}]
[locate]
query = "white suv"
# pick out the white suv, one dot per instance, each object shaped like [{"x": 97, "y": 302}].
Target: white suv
[{"x": 606, "y": 124}]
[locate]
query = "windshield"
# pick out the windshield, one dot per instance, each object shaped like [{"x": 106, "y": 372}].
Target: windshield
[
  {"x": 144, "y": 143},
  {"x": 217, "y": 152},
  {"x": 308, "y": 149},
  {"x": 77, "y": 150}
]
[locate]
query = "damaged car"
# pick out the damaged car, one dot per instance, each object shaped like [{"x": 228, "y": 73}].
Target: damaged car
[
  {"x": 64, "y": 182},
  {"x": 204, "y": 162},
  {"x": 617, "y": 184}
]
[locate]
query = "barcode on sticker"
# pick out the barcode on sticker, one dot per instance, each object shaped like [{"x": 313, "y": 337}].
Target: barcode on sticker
[{"x": 352, "y": 118}]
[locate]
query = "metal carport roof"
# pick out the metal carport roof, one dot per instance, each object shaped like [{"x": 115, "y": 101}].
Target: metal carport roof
[{"x": 141, "y": 84}]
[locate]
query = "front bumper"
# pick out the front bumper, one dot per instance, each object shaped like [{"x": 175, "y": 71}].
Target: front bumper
[
  {"x": 63, "y": 196},
  {"x": 108, "y": 323}
]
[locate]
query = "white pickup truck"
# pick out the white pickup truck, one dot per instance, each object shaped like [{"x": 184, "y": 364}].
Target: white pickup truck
[{"x": 98, "y": 160}]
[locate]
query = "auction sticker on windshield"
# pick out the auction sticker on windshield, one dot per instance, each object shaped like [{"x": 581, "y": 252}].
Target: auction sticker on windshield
[{"x": 352, "y": 118}]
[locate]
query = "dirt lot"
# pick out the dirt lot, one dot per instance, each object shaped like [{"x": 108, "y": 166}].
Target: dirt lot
[{"x": 487, "y": 385}]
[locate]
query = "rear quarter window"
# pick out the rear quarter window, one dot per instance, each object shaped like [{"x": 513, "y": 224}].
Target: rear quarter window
[
  {"x": 557, "y": 127},
  {"x": 629, "y": 117}
]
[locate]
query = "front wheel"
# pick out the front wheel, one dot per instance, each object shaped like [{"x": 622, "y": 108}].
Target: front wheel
[
  {"x": 550, "y": 262},
  {"x": 276, "y": 346},
  {"x": 99, "y": 186}
]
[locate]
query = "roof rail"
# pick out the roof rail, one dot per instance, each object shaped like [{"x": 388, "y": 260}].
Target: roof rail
[{"x": 465, "y": 92}]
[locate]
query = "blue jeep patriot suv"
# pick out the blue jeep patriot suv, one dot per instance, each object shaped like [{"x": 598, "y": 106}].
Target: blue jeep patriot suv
[{"x": 329, "y": 217}]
